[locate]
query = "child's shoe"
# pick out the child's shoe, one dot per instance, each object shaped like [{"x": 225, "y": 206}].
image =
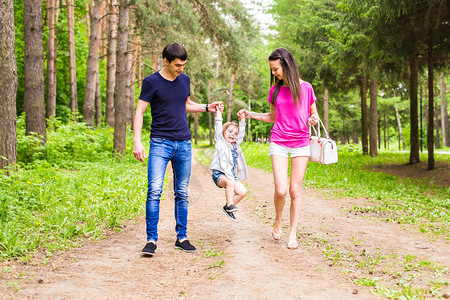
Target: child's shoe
[
  {"x": 231, "y": 208},
  {"x": 228, "y": 213}
]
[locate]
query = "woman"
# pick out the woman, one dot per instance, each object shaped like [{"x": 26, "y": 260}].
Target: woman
[{"x": 292, "y": 108}]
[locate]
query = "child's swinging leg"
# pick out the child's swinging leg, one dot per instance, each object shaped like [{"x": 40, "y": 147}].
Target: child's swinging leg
[{"x": 229, "y": 189}]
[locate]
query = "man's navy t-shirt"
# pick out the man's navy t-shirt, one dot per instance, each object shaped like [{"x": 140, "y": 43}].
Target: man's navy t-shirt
[{"x": 168, "y": 106}]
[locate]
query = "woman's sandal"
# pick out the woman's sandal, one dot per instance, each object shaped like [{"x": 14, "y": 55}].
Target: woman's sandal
[
  {"x": 276, "y": 236},
  {"x": 292, "y": 244}
]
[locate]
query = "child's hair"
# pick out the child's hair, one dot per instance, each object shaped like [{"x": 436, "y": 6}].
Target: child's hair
[
  {"x": 228, "y": 124},
  {"x": 291, "y": 74}
]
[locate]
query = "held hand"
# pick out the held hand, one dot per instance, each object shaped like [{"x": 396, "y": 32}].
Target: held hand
[
  {"x": 215, "y": 106},
  {"x": 139, "y": 151},
  {"x": 313, "y": 119},
  {"x": 243, "y": 113}
]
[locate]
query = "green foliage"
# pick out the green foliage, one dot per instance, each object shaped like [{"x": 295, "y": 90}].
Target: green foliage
[
  {"x": 66, "y": 143},
  {"x": 72, "y": 188}
]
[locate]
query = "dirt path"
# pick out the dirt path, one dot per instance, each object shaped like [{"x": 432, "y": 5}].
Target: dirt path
[{"x": 234, "y": 260}]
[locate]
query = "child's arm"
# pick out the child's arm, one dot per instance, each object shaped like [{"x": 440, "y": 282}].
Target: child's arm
[
  {"x": 218, "y": 125},
  {"x": 240, "y": 138}
]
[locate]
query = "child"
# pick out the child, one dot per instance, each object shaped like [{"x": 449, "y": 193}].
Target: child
[{"x": 228, "y": 164}]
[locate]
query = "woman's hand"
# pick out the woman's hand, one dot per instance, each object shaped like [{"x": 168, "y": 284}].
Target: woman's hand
[
  {"x": 243, "y": 114},
  {"x": 313, "y": 119}
]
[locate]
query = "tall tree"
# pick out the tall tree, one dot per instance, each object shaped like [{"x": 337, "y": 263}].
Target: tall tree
[
  {"x": 51, "y": 58},
  {"x": 98, "y": 102},
  {"x": 399, "y": 124},
  {"x": 437, "y": 125},
  {"x": 73, "y": 104},
  {"x": 8, "y": 85},
  {"x": 111, "y": 69},
  {"x": 34, "y": 86},
  {"x": 373, "y": 111},
  {"x": 444, "y": 114},
  {"x": 430, "y": 129},
  {"x": 230, "y": 93},
  {"x": 120, "y": 94},
  {"x": 92, "y": 72},
  {"x": 364, "y": 118}
]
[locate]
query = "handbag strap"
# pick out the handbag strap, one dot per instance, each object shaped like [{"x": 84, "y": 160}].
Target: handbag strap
[{"x": 317, "y": 132}]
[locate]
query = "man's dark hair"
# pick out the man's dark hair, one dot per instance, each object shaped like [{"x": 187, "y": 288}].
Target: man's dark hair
[{"x": 173, "y": 51}]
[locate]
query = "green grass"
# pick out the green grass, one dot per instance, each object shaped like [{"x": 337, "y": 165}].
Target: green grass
[
  {"x": 402, "y": 200},
  {"x": 69, "y": 190}
]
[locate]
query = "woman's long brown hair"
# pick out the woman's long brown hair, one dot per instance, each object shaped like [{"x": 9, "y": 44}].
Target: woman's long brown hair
[{"x": 291, "y": 74}]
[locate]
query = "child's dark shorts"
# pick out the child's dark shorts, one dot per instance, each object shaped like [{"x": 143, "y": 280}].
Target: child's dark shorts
[{"x": 216, "y": 176}]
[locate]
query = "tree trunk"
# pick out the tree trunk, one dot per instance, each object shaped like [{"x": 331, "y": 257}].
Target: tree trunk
[
  {"x": 326, "y": 120},
  {"x": 425, "y": 96},
  {"x": 379, "y": 132},
  {"x": 385, "y": 130},
  {"x": 98, "y": 103},
  {"x": 444, "y": 114},
  {"x": 111, "y": 68},
  {"x": 399, "y": 123},
  {"x": 51, "y": 59},
  {"x": 8, "y": 86},
  {"x": 138, "y": 60},
  {"x": 230, "y": 96},
  {"x": 131, "y": 75},
  {"x": 209, "y": 115},
  {"x": 154, "y": 61},
  {"x": 120, "y": 94},
  {"x": 414, "y": 156},
  {"x": 430, "y": 129},
  {"x": 92, "y": 64},
  {"x": 217, "y": 69},
  {"x": 102, "y": 29},
  {"x": 249, "y": 136},
  {"x": 34, "y": 86},
  {"x": 437, "y": 122},
  {"x": 131, "y": 87},
  {"x": 72, "y": 66},
  {"x": 364, "y": 125},
  {"x": 195, "y": 128},
  {"x": 86, "y": 18},
  {"x": 373, "y": 110}
]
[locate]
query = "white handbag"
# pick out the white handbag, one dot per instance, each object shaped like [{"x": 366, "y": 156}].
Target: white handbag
[{"x": 322, "y": 149}]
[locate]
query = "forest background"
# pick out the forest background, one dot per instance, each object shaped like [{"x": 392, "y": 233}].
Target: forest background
[
  {"x": 85, "y": 61},
  {"x": 70, "y": 76}
]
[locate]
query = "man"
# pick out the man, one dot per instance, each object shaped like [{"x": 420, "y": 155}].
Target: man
[{"x": 167, "y": 92}]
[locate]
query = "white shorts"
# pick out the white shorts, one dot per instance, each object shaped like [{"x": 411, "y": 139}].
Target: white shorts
[{"x": 276, "y": 149}]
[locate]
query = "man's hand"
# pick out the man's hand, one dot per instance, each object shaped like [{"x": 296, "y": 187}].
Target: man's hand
[
  {"x": 216, "y": 106},
  {"x": 139, "y": 151}
]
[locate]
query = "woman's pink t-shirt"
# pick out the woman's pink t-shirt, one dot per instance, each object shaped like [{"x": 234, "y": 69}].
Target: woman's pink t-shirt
[{"x": 291, "y": 127}]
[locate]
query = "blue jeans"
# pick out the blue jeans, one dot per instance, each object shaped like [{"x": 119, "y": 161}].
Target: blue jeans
[{"x": 161, "y": 152}]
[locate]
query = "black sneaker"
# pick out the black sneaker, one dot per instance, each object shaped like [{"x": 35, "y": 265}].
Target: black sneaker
[
  {"x": 149, "y": 249},
  {"x": 228, "y": 213},
  {"x": 184, "y": 245},
  {"x": 232, "y": 208}
]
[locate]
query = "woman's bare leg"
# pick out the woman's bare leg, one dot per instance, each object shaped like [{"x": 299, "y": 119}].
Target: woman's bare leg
[
  {"x": 280, "y": 168},
  {"x": 298, "y": 169}
]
